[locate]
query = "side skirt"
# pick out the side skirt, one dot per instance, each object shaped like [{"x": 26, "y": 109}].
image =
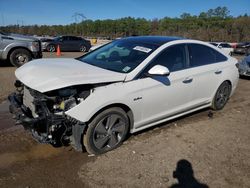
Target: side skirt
[{"x": 169, "y": 118}]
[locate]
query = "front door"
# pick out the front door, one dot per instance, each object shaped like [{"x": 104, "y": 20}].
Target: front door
[{"x": 165, "y": 96}]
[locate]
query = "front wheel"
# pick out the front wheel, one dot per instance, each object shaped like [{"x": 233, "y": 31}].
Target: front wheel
[
  {"x": 106, "y": 131},
  {"x": 222, "y": 95},
  {"x": 51, "y": 48},
  {"x": 19, "y": 57}
]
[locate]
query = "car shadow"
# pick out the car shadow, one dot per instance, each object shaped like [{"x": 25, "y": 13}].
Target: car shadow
[
  {"x": 184, "y": 174},
  {"x": 245, "y": 77},
  {"x": 5, "y": 63}
]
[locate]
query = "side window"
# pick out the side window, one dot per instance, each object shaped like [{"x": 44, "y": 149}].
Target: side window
[
  {"x": 174, "y": 58},
  {"x": 65, "y": 38},
  {"x": 203, "y": 55},
  {"x": 73, "y": 38}
]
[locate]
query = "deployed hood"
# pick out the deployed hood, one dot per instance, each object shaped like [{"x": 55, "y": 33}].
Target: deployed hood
[{"x": 49, "y": 74}]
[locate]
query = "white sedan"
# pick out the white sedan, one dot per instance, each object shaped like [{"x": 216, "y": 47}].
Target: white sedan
[
  {"x": 225, "y": 47},
  {"x": 123, "y": 87}
]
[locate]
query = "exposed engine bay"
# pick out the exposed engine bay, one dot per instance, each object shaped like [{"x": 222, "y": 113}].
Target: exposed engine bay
[{"x": 44, "y": 113}]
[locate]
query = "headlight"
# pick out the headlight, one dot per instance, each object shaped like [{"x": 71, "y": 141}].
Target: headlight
[{"x": 35, "y": 46}]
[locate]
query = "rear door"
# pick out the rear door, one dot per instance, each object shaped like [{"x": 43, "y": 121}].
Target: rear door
[
  {"x": 67, "y": 44},
  {"x": 206, "y": 65}
]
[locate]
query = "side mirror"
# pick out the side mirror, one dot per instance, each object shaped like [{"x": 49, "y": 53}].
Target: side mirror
[{"x": 159, "y": 70}]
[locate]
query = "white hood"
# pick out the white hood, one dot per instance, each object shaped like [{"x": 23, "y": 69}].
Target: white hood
[{"x": 49, "y": 74}]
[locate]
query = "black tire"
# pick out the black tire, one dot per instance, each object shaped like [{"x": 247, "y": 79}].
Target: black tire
[
  {"x": 82, "y": 48},
  {"x": 106, "y": 131},
  {"x": 221, "y": 96},
  {"x": 51, "y": 48},
  {"x": 20, "y": 56}
]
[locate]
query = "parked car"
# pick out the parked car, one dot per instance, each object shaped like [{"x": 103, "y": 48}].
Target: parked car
[
  {"x": 227, "y": 48},
  {"x": 19, "y": 49},
  {"x": 244, "y": 66},
  {"x": 67, "y": 43},
  {"x": 123, "y": 87},
  {"x": 242, "y": 48},
  {"x": 45, "y": 42}
]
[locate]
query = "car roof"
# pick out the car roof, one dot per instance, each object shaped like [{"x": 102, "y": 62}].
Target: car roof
[{"x": 157, "y": 40}]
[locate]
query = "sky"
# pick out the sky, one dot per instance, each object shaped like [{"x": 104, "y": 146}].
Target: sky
[{"x": 55, "y": 12}]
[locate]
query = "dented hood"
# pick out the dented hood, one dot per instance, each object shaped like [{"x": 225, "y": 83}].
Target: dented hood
[{"x": 49, "y": 74}]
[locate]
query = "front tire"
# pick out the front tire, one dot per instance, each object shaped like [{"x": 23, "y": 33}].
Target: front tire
[
  {"x": 106, "y": 131},
  {"x": 51, "y": 48},
  {"x": 222, "y": 95},
  {"x": 18, "y": 57}
]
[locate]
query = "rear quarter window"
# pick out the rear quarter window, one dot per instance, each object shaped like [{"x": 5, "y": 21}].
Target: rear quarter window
[{"x": 203, "y": 55}]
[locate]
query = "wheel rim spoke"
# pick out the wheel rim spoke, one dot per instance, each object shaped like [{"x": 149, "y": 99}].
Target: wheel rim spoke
[
  {"x": 100, "y": 129},
  {"x": 112, "y": 120},
  {"x": 101, "y": 142},
  {"x": 119, "y": 128},
  {"x": 113, "y": 140}
]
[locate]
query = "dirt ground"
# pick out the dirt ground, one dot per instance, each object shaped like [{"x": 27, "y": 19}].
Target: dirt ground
[{"x": 209, "y": 152}]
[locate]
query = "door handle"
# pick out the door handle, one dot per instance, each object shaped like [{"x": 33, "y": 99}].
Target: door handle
[
  {"x": 187, "y": 80},
  {"x": 218, "y": 72}
]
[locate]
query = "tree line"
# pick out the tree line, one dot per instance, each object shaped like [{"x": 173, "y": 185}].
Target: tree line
[{"x": 213, "y": 25}]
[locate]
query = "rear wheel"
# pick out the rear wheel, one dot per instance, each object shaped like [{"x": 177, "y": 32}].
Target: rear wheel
[
  {"x": 83, "y": 48},
  {"x": 222, "y": 95},
  {"x": 106, "y": 131},
  {"x": 20, "y": 56}
]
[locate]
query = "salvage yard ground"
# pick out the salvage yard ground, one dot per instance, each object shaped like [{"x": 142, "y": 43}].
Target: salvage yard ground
[{"x": 216, "y": 147}]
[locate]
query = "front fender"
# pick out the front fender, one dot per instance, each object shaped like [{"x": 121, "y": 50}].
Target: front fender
[
  {"x": 122, "y": 93},
  {"x": 11, "y": 46}
]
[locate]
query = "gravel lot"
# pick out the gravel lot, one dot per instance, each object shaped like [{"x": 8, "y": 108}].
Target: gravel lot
[{"x": 210, "y": 151}]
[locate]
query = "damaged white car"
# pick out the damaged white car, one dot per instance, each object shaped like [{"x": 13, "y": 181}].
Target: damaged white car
[{"x": 123, "y": 87}]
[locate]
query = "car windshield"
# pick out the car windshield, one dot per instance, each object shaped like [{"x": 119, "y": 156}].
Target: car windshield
[
  {"x": 57, "y": 38},
  {"x": 120, "y": 56}
]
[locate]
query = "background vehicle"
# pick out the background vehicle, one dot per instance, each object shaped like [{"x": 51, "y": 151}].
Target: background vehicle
[
  {"x": 125, "y": 86},
  {"x": 45, "y": 42},
  {"x": 227, "y": 48},
  {"x": 19, "y": 49},
  {"x": 67, "y": 43},
  {"x": 244, "y": 66},
  {"x": 242, "y": 48}
]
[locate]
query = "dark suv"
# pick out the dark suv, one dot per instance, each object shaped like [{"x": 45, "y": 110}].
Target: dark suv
[{"x": 67, "y": 43}]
